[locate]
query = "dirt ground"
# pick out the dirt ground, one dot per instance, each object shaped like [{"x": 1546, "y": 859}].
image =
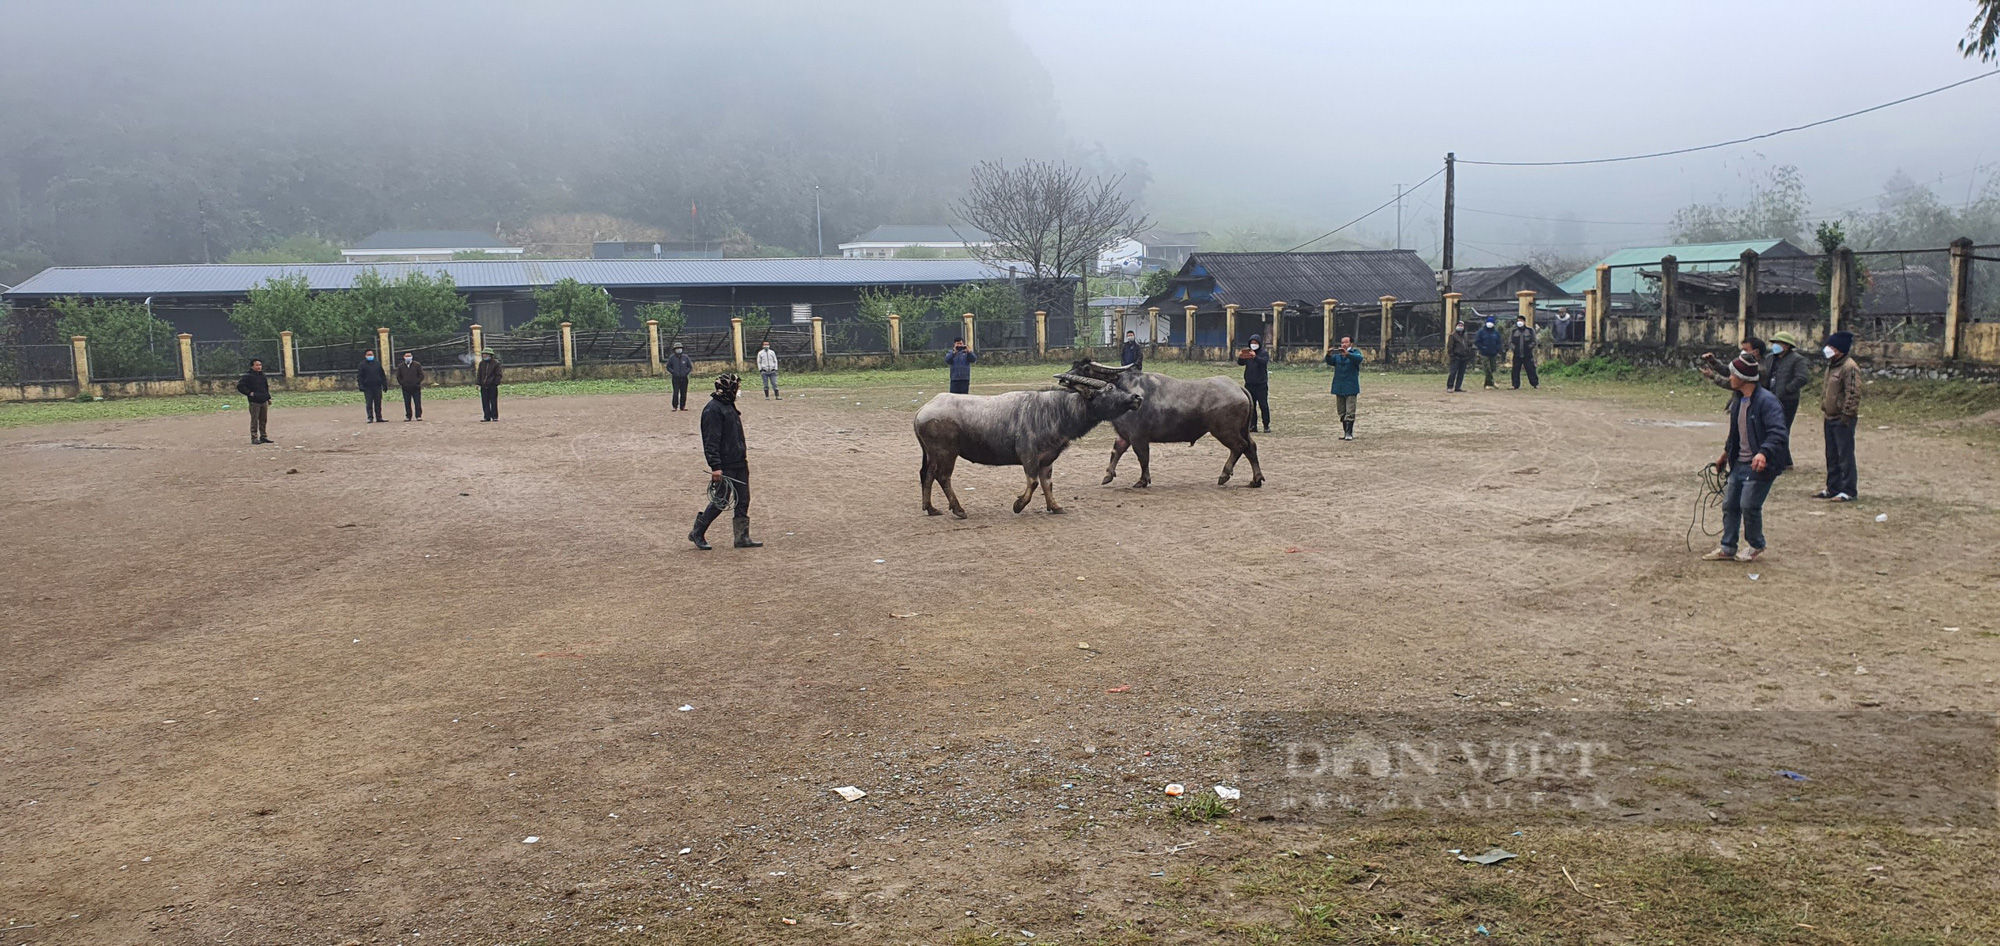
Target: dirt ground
[{"x": 326, "y": 691}]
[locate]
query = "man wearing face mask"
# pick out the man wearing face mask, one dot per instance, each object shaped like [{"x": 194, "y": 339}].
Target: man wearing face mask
[
  {"x": 728, "y": 461},
  {"x": 1346, "y": 363},
  {"x": 1487, "y": 343},
  {"x": 1132, "y": 354},
  {"x": 1458, "y": 349},
  {"x": 1785, "y": 373},
  {"x": 679, "y": 366},
  {"x": 488, "y": 377},
  {"x": 958, "y": 367},
  {"x": 1522, "y": 340},
  {"x": 373, "y": 382},
  {"x": 1840, "y": 405},
  {"x": 1256, "y": 364},
  {"x": 410, "y": 377}
]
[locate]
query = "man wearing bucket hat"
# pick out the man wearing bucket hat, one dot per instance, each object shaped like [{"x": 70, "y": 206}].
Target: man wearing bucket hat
[
  {"x": 488, "y": 377},
  {"x": 1840, "y": 404},
  {"x": 1785, "y": 373},
  {"x": 728, "y": 465},
  {"x": 679, "y": 366}
]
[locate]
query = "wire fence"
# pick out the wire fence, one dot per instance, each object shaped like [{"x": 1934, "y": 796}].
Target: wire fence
[
  {"x": 611, "y": 347},
  {"x": 37, "y": 364},
  {"x": 857, "y": 338},
  {"x": 1000, "y": 333},
  {"x": 526, "y": 350},
  {"x": 1982, "y": 301},
  {"x": 332, "y": 357},
  {"x": 1900, "y": 295},
  {"x": 228, "y": 359},
  {"x": 452, "y": 352},
  {"x": 121, "y": 364}
]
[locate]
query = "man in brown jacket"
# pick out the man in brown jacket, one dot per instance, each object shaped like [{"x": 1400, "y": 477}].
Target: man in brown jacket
[
  {"x": 410, "y": 377},
  {"x": 1458, "y": 350},
  {"x": 1840, "y": 404}
]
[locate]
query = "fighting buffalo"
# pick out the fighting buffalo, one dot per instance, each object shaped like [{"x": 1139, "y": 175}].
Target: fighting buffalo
[
  {"x": 1028, "y": 429},
  {"x": 1174, "y": 410}
]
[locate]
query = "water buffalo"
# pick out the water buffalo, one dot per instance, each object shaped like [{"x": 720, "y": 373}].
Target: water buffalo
[
  {"x": 1029, "y": 429},
  {"x": 1175, "y": 410}
]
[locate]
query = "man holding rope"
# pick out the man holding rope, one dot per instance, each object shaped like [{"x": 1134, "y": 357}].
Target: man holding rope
[
  {"x": 1758, "y": 449},
  {"x": 728, "y": 465}
]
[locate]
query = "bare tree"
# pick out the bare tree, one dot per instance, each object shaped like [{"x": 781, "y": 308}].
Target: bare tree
[{"x": 1046, "y": 216}]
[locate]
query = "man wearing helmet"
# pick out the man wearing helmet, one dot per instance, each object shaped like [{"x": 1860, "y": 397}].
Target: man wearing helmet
[{"x": 728, "y": 465}]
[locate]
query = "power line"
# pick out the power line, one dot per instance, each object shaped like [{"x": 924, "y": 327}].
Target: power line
[
  {"x": 1737, "y": 141},
  {"x": 1378, "y": 209}
]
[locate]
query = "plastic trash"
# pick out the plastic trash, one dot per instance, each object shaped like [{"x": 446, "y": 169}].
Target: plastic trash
[
  {"x": 1491, "y": 857},
  {"x": 1794, "y": 776},
  {"x": 1481, "y": 930},
  {"x": 850, "y": 793},
  {"x": 530, "y": 839},
  {"x": 1882, "y": 517},
  {"x": 687, "y": 707},
  {"x": 1226, "y": 793},
  {"x": 1176, "y": 789}
]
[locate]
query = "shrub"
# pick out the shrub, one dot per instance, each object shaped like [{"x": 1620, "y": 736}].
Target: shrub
[{"x": 126, "y": 341}]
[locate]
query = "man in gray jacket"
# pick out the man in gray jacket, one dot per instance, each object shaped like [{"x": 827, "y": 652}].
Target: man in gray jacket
[{"x": 679, "y": 366}]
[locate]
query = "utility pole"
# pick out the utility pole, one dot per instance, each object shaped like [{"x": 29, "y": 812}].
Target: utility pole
[
  {"x": 1399, "y": 216},
  {"x": 1450, "y": 196},
  {"x": 201, "y": 212},
  {"x": 818, "y": 231}
]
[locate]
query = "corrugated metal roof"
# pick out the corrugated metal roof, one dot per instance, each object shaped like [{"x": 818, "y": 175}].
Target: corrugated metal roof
[
  {"x": 1625, "y": 278},
  {"x": 429, "y": 240},
  {"x": 923, "y": 233},
  {"x": 225, "y": 279},
  {"x": 1255, "y": 280},
  {"x": 1483, "y": 283}
]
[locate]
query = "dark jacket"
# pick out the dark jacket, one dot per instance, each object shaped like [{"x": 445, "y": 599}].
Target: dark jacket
[
  {"x": 1522, "y": 340},
  {"x": 1132, "y": 354},
  {"x": 722, "y": 435},
  {"x": 1487, "y": 341},
  {"x": 680, "y": 365},
  {"x": 1785, "y": 376},
  {"x": 1346, "y": 371},
  {"x": 1256, "y": 368},
  {"x": 254, "y": 386},
  {"x": 488, "y": 375},
  {"x": 371, "y": 376},
  {"x": 961, "y": 363},
  {"x": 1767, "y": 430},
  {"x": 410, "y": 375},
  {"x": 1458, "y": 347}
]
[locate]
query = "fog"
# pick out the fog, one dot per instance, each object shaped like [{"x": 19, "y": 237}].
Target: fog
[{"x": 143, "y": 132}]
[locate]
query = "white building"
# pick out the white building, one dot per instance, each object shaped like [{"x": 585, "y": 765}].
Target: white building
[{"x": 885, "y": 242}]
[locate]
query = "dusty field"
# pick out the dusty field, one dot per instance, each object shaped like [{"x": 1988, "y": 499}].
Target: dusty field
[{"x": 321, "y": 692}]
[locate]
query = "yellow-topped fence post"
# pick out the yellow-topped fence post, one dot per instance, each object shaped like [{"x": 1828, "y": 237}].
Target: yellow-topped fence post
[
  {"x": 1589, "y": 322},
  {"x": 895, "y": 335},
  {"x": 187, "y": 360},
  {"x": 819, "y": 342},
  {"x": 1388, "y": 325},
  {"x": 653, "y": 347},
  {"x": 1041, "y": 334},
  {"x": 1326, "y": 307},
  {"x": 478, "y": 341},
  {"x": 568, "y": 346},
  {"x": 1746, "y": 295},
  {"x": 1524, "y": 303},
  {"x": 1958, "y": 290},
  {"x": 382, "y": 346},
  {"x": 1152, "y": 328},
  {"x": 1229, "y": 328},
  {"x": 288, "y": 353},
  {"x": 1277, "y": 329},
  {"x": 736, "y": 341},
  {"x": 969, "y": 344},
  {"x": 1187, "y": 342},
  {"x": 79, "y": 355}
]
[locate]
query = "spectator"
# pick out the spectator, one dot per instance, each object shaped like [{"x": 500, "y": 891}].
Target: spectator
[
  {"x": 1132, "y": 354},
  {"x": 1458, "y": 349},
  {"x": 1785, "y": 374},
  {"x": 373, "y": 382},
  {"x": 488, "y": 377},
  {"x": 960, "y": 360},
  {"x": 1346, "y": 362},
  {"x": 1487, "y": 343},
  {"x": 1522, "y": 340},
  {"x": 1757, "y": 450},
  {"x": 410, "y": 377},
  {"x": 1840, "y": 404},
  {"x": 1256, "y": 364},
  {"x": 679, "y": 366},
  {"x": 767, "y": 365},
  {"x": 256, "y": 389}
]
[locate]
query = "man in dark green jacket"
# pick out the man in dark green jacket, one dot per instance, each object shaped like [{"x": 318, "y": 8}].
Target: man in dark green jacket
[
  {"x": 1786, "y": 373},
  {"x": 1346, "y": 362}
]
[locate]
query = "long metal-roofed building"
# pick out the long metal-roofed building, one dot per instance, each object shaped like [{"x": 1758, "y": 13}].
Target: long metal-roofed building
[
  {"x": 196, "y": 298},
  {"x": 1212, "y": 281}
]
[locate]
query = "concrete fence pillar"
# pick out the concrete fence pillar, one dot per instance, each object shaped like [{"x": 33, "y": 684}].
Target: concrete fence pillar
[
  {"x": 1957, "y": 294},
  {"x": 1746, "y": 295},
  {"x": 1840, "y": 291},
  {"x": 1590, "y": 317},
  {"x": 819, "y": 341},
  {"x": 1153, "y": 328},
  {"x": 1388, "y": 324},
  {"x": 288, "y": 352},
  {"x": 1670, "y": 291},
  {"x": 187, "y": 360},
  {"x": 1524, "y": 302},
  {"x": 1187, "y": 341},
  {"x": 1603, "y": 302},
  {"x": 478, "y": 341},
  {"x": 1041, "y": 334},
  {"x": 1118, "y": 315},
  {"x": 1229, "y": 327},
  {"x": 1277, "y": 330},
  {"x": 970, "y": 345},
  {"x": 568, "y": 346},
  {"x": 653, "y": 347},
  {"x": 382, "y": 346},
  {"x": 79, "y": 355},
  {"x": 895, "y": 335},
  {"x": 1451, "y": 300},
  {"x": 1326, "y": 307},
  {"x": 736, "y": 340}
]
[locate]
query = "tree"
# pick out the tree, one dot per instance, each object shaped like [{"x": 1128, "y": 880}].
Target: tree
[
  {"x": 1046, "y": 216},
  {"x": 672, "y": 319},
  {"x": 1982, "y": 37},
  {"x": 416, "y": 306},
  {"x": 1776, "y": 210},
  {"x": 756, "y": 322},
  {"x": 297, "y": 248},
  {"x": 585, "y": 307},
  {"x": 126, "y": 341},
  {"x": 287, "y": 304},
  {"x": 1156, "y": 282}
]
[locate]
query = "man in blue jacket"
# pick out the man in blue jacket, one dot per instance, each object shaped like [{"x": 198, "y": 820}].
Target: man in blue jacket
[
  {"x": 1487, "y": 342},
  {"x": 1346, "y": 362},
  {"x": 960, "y": 360},
  {"x": 1256, "y": 364},
  {"x": 1758, "y": 449}
]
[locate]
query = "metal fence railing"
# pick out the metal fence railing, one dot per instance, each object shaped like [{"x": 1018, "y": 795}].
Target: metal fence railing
[
  {"x": 452, "y": 352},
  {"x": 526, "y": 350},
  {"x": 155, "y": 363},
  {"x": 611, "y": 347},
  {"x": 857, "y": 338},
  {"x": 228, "y": 359},
  {"x": 1900, "y": 295},
  {"x": 332, "y": 358},
  {"x": 1982, "y": 302},
  {"x": 998, "y": 333},
  {"x": 37, "y": 364}
]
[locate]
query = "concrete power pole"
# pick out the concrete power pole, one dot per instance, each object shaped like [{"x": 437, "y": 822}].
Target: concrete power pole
[{"x": 1450, "y": 202}]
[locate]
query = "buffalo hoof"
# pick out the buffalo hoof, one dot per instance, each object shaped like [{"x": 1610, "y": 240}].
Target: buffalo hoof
[
  {"x": 1142, "y": 484},
  {"x": 1222, "y": 480},
  {"x": 928, "y": 511},
  {"x": 1057, "y": 511},
  {"x": 1019, "y": 505},
  {"x": 958, "y": 514},
  {"x": 1254, "y": 484},
  {"x": 1108, "y": 477}
]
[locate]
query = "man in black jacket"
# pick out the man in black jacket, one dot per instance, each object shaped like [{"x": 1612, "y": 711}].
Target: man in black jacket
[
  {"x": 256, "y": 389},
  {"x": 728, "y": 465},
  {"x": 373, "y": 381},
  {"x": 1458, "y": 349},
  {"x": 679, "y": 366},
  {"x": 1256, "y": 364},
  {"x": 1786, "y": 373},
  {"x": 410, "y": 377},
  {"x": 488, "y": 377},
  {"x": 1132, "y": 354},
  {"x": 1522, "y": 341}
]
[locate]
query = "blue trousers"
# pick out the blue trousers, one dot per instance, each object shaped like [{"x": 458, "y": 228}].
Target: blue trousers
[{"x": 1743, "y": 507}]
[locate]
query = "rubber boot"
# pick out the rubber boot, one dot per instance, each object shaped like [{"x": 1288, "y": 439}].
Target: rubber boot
[
  {"x": 1347, "y": 429},
  {"x": 699, "y": 534},
  {"x": 743, "y": 539}
]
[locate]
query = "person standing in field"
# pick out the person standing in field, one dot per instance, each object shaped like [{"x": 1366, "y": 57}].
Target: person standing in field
[
  {"x": 728, "y": 461},
  {"x": 959, "y": 360},
  {"x": 1256, "y": 364},
  {"x": 488, "y": 378},
  {"x": 1757, "y": 450},
  {"x": 1346, "y": 362},
  {"x": 1487, "y": 343},
  {"x": 1785, "y": 373},
  {"x": 410, "y": 377},
  {"x": 1132, "y": 355},
  {"x": 767, "y": 365},
  {"x": 1840, "y": 405},
  {"x": 1522, "y": 340},
  {"x": 679, "y": 366},
  {"x": 373, "y": 381},
  {"x": 256, "y": 389},
  {"x": 1717, "y": 372},
  {"x": 1458, "y": 350}
]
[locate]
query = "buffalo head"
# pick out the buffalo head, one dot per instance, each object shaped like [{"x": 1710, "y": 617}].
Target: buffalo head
[{"x": 1104, "y": 400}]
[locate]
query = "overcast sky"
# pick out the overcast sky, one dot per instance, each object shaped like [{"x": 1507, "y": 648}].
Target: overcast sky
[{"x": 1260, "y": 110}]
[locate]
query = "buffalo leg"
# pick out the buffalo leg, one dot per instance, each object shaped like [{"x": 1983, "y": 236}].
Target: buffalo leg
[
  {"x": 1144, "y": 451},
  {"x": 1256, "y": 472},
  {"x": 1229, "y": 466},
  {"x": 1117, "y": 450},
  {"x": 924, "y": 476},
  {"x": 1021, "y": 501},
  {"x": 941, "y": 470},
  {"x": 1048, "y": 490}
]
